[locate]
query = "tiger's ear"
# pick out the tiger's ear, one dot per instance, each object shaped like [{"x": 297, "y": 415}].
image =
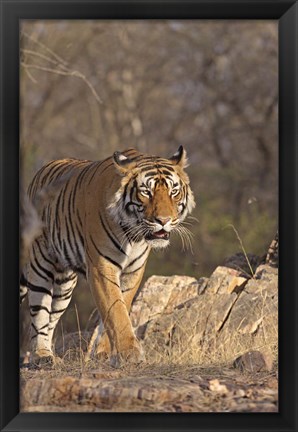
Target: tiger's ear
[
  {"x": 180, "y": 157},
  {"x": 122, "y": 162}
]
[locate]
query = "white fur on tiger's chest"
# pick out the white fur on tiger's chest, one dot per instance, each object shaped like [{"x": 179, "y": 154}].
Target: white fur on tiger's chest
[{"x": 137, "y": 254}]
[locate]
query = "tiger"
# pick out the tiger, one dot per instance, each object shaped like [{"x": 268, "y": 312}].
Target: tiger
[{"x": 102, "y": 222}]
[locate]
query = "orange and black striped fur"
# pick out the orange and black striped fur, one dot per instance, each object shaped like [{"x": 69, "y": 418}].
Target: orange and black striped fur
[{"x": 102, "y": 222}]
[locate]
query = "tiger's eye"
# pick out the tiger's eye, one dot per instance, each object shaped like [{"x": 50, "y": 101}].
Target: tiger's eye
[
  {"x": 175, "y": 192},
  {"x": 146, "y": 193}
]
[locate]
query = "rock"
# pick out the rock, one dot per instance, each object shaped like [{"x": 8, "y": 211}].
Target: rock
[
  {"x": 134, "y": 393},
  {"x": 254, "y": 361},
  {"x": 155, "y": 389},
  {"x": 232, "y": 314},
  {"x": 225, "y": 280},
  {"x": 266, "y": 273},
  {"x": 203, "y": 281},
  {"x": 160, "y": 295},
  {"x": 215, "y": 386}
]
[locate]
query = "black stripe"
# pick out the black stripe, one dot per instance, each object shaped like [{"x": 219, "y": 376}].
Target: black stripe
[
  {"x": 150, "y": 173},
  {"x": 108, "y": 166},
  {"x": 23, "y": 281},
  {"x": 41, "y": 268},
  {"x": 38, "y": 272},
  {"x": 78, "y": 228},
  {"x": 105, "y": 256},
  {"x": 77, "y": 184},
  {"x": 38, "y": 332},
  {"x": 58, "y": 311},
  {"x": 69, "y": 165},
  {"x": 156, "y": 167},
  {"x": 81, "y": 240},
  {"x": 145, "y": 160},
  {"x": 98, "y": 165},
  {"x": 84, "y": 172},
  {"x": 132, "y": 190},
  {"x": 70, "y": 234},
  {"x": 80, "y": 270},
  {"x": 64, "y": 296},
  {"x": 37, "y": 308},
  {"x": 131, "y": 203},
  {"x": 66, "y": 255},
  {"x": 57, "y": 218},
  {"x": 125, "y": 192},
  {"x": 74, "y": 246},
  {"x": 167, "y": 170},
  {"x": 110, "y": 280},
  {"x": 29, "y": 191},
  {"x": 168, "y": 167},
  {"x": 34, "y": 184},
  {"x": 79, "y": 219},
  {"x": 117, "y": 245},
  {"x": 128, "y": 152},
  {"x": 43, "y": 215},
  {"x": 140, "y": 256},
  {"x": 134, "y": 271},
  {"x": 63, "y": 192},
  {"x": 36, "y": 288},
  {"x": 42, "y": 254},
  {"x": 64, "y": 176},
  {"x": 65, "y": 280},
  {"x": 60, "y": 166}
]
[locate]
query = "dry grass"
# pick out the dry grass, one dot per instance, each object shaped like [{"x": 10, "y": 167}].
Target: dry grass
[{"x": 146, "y": 388}]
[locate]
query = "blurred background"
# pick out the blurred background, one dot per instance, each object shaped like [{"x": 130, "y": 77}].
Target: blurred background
[{"x": 89, "y": 88}]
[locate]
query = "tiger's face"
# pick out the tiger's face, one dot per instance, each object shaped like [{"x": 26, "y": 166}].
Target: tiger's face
[{"x": 154, "y": 197}]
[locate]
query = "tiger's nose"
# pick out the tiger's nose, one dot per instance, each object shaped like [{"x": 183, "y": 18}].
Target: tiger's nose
[{"x": 163, "y": 220}]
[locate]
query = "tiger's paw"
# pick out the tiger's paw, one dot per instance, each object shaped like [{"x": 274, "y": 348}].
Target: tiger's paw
[
  {"x": 103, "y": 350},
  {"x": 102, "y": 356},
  {"x": 132, "y": 356},
  {"x": 45, "y": 359}
]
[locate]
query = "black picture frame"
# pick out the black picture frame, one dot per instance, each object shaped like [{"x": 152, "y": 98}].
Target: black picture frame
[{"x": 286, "y": 12}]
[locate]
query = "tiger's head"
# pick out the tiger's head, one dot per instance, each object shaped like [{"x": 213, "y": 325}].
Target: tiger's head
[{"x": 154, "y": 196}]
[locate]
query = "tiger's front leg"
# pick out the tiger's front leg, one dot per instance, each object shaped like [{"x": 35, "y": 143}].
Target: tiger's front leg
[
  {"x": 130, "y": 283},
  {"x": 105, "y": 286}
]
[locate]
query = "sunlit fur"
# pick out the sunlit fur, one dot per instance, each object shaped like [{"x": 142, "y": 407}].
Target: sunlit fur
[
  {"x": 140, "y": 213},
  {"x": 102, "y": 222}
]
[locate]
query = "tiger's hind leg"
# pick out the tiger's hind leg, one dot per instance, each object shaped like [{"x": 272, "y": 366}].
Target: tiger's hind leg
[
  {"x": 38, "y": 277},
  {"x": 64, "y": 285}
]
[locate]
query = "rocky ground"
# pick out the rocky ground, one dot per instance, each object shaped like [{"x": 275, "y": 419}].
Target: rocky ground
[
  {"x": 210, "y": 344},
  {"x": 168, "y": 388}
]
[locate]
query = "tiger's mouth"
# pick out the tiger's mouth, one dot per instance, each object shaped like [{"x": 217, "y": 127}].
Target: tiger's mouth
[{"x": 158, "y": 235}]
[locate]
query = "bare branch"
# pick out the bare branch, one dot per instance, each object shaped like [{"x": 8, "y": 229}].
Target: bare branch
[
  {"x": 75, "y": 73},
  {"x": 56, "y": 56}
]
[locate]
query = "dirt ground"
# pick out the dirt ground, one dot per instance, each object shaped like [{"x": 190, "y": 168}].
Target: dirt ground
[{"x": 155, "y": 388}]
